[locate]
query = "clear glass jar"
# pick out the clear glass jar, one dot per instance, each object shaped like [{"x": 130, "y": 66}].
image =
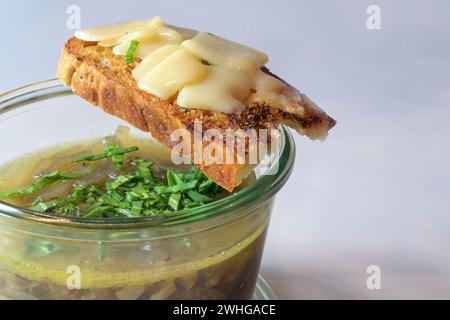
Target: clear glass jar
[{"x": 210, "y": 252}]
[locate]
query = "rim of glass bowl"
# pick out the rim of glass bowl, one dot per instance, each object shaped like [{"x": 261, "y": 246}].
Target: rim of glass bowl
[{"x": 263, "y": 189}]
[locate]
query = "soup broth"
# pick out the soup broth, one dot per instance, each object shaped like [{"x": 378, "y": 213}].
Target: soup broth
[{"x": 220, "y": 263}]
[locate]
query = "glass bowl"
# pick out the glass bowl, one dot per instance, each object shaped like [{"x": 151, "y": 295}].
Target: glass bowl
[{"x": 210, "y": 252}]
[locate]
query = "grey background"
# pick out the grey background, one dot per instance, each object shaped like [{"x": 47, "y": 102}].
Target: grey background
[{"x": 377, "y": 191}]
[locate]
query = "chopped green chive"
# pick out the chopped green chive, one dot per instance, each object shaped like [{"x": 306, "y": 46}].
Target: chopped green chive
[
  {"x": 43, "y": 182},
  {"x": 116, "y": 154},
  {"x": 131, "y": 50},
  {"x": 198, "y": 197},
  {"x": 110, "y": 151},
  {"x": 143, "y": 190},
  {"x": 174, "y": 201}
]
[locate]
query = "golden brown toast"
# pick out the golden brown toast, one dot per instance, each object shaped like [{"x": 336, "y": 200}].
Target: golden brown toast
[{"x": 105, "y": 80}]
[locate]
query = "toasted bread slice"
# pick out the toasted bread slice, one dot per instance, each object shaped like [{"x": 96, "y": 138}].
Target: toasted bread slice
[{"x": 105, "y": 80}]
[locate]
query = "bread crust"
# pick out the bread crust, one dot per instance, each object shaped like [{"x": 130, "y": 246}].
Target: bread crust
[{"x": 102, "y": 78}]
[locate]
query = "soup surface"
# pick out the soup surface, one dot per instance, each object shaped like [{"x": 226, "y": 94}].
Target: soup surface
[
  {"x": 118, "y": 176},
  {"x": 123, "y": 176}
]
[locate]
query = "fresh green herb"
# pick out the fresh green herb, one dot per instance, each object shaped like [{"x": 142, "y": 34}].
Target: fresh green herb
[
  {"x": 131, "y": 50},
  {"x": 144, "y": 189},
  {"x": 208, "y": 186},
  {"x": 41, "y": 206},
  {"x": 198, "y": 197},
  {"x": 184, "y": 186},
  {"x": 116, "y": 153},
  {"x": 109, "y": 152},
  {"x": 174, "y": 201},
  {"x": 41, "y": 183}
]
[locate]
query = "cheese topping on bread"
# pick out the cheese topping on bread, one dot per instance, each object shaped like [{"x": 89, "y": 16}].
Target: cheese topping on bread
[
  {"x": 179, "y": 77},
  {"x": 197, "y": 70}
]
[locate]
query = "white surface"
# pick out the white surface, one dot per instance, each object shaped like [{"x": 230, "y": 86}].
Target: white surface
[{"x": 377, "y": 191}]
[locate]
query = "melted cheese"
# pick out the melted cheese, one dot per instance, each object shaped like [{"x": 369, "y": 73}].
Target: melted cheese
[
  {"x": 145, "y": 47},
  {"x": 224, "y": 53},
  {"x": 222, "y": 90},
  {"x": 112, "y": 31},
  {"x": 169, "y": 76},
  {"x": 173, "y": 63},
  {"x": 152, "y": 60}
]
